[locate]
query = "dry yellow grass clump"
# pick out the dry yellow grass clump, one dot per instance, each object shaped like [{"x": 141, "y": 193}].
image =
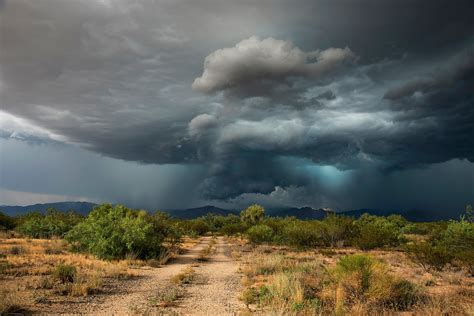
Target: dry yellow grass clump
[
  {"x": 38, "y": 271},
  {"x": 346, "y": 281}
]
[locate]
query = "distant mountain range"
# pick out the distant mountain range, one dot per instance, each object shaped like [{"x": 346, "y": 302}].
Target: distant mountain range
[
  {"x": 190, "y": 213},
  {"x": 196, "y": 212},
  {"x": 81, "y": 207},
  {"x": 301, "y": 213}
]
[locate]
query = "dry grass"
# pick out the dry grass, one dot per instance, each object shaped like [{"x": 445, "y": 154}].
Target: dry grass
[
  {"x": 27, "y": 268},
  {"x": 184, "y": 277},
  {"x": 307, "y": 283},
  {"x": 167, "y": 297},
  {"x": 206, "y": 253},
  {"x": 33, "y": 271},
  {"x": 12, "y": 302}
]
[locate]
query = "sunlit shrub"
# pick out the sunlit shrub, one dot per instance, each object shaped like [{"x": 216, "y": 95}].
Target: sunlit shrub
[
  {"x": 260, "y": 234},
  {"x": 111, "y": 232},
  {"x": 302, "y": 234},
  {"x": 65, "y": 273},
  {"x": 363, "y": 279},
  {"x": 374, "y": 232},
  {"x": 53, "y": 223}
]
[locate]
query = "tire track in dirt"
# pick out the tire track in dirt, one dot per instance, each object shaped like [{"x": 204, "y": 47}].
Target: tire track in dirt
[
  {"x": 133, "y": 298},
  {"x": 217, "y": 287}
]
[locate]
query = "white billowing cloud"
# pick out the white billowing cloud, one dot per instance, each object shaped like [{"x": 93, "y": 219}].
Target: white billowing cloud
[
  {"x": 268, "y": 59},
  {"x": 201, "y": 123},
  {"x": 268, "y": 134}
]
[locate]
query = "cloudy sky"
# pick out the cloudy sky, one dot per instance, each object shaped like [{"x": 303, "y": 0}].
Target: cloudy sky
[{"x": 169, "y": 104}]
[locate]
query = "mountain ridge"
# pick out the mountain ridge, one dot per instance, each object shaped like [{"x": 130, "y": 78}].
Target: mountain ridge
[{"x": 304, "y": 212}]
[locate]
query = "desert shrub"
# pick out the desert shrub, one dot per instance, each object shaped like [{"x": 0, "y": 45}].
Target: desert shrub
[
  {"x": 374, "y": 232},
  {"x": 278, "y": 226},
  {"x": 336, "y": 229},
  {"x": 359, "y": 266},
  {"x": 230, "y": 229},
  {"x": 216, "y": 222},
  {"x": 199, "y": 226},
  {"x": 184, "y": 277},
  {"x": 302, "y": 234},
  {"x": 168, "y": 296},
  {"x": 416, "y": 228},
  {"x": 6, "y": 222},
  {"x": 363, "y": 279},
  {"x": 112, "y": 232},
  {"x": 428, "y": 255},
  {"x": 253, "y": 214},
  {"x": 65, "y": 273},
  {"x": 53, "y": 223},
  {"x": 454, "y": 245},
  {"x": 260, "y": 234},
  {"x": 270, "y": 264},
  {"x": 167, "y": 227},
  {"x": 250, "y": 296},
  {"x": 459, "y": 239},
  {"x": 290, "y": 292},
  {"x": 287, "y": 287},
  {"x": 45, "y": 282},
  {"x": 469, "y": 214},
  {"x": 397, "y": 220},
  {"x": 85, "y": 285}
]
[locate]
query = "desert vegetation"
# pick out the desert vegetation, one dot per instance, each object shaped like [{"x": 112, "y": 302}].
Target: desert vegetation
[{"x": 338, "y": 265}]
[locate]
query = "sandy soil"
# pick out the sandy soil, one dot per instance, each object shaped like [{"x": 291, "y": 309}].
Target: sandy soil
[
  {"x": 217, "y": 286},
  {"x": 215, "y": 291}
]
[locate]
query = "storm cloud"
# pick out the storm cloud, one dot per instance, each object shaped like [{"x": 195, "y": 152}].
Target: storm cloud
[
  {"x": 261, "y": 99},
  {"x": 268, "y": 60}
]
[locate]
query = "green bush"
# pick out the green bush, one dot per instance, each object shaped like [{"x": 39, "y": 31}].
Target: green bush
[
  {"x": 336, "y": 230},
  {"x": 253, "y": 214},
  {"x": 53, "y": 223},
  {"x": 361, "y": 266},
  {"x": 415, "y": 228},
  {"x": 302, "y": 234},
  {"x": 459, "y": 239},
  {"x": 232, "y": 229},
  {"x": 169, "y": 228},
  {"x": 6, "y": 222},
  {"x": 374, "y": 232},
  {"x": 199, "y": 226},
  {"x": 278, "y": 226},
  {"x": 65, "y": 273},
  {"x": 260, "y": 234},
  {"x": 112, "y": 232},
  {"x": 454, "y": 245},
  {"x": 217, "y": 222},
  {"x": 360, "y": 278},
  {"x": 429, "y": 256}
]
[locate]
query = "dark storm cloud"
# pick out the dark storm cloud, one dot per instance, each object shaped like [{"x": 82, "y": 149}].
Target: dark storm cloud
[
  {"x": 459, "y": 69},
  {"x": 269, "y": 61},
  {"x": 382, "y": 85},
  {"x": 350, "y": 130}
]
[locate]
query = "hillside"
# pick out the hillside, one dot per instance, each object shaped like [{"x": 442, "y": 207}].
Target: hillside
[
  {"x": 81, "y": 207},
  {"x": 300, "y": 213},
  {"x": 305, "y": 212},
  {"x": 196, "y": 212},
  {"x": 413, "y": 215}
]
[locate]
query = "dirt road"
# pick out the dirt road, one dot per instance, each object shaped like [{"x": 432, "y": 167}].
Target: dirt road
[
  {"x": 215, "y": 291},
  {"x": 217, "y": 286}
]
